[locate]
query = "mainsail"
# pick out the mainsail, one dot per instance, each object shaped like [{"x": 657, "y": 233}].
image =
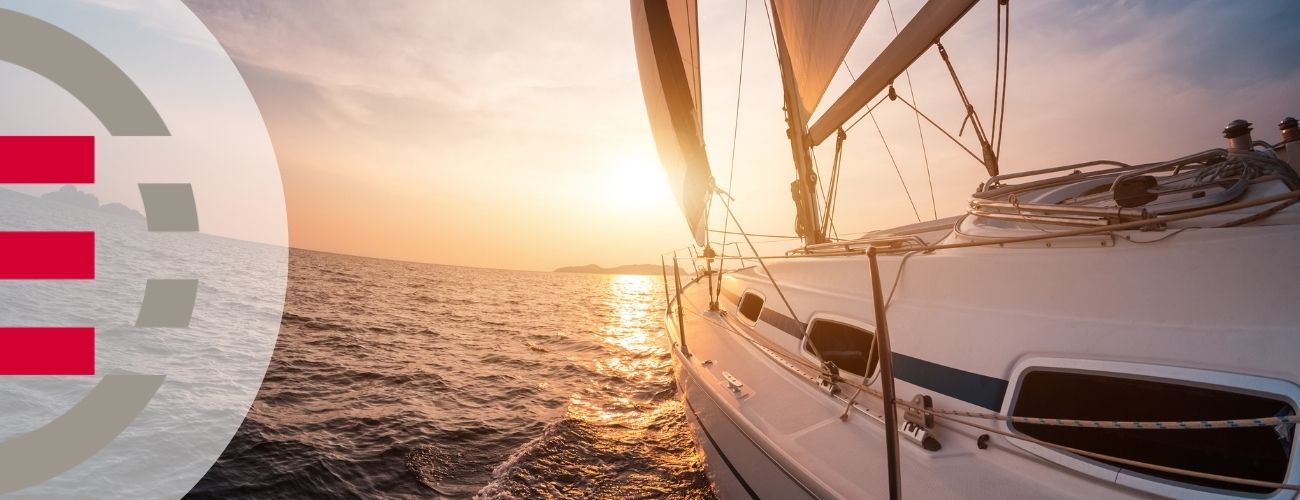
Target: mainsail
[
  {"x": 817, "y": 35},
  {"x": 931, "y": 22},
  {"x": 667, "y": 53}
]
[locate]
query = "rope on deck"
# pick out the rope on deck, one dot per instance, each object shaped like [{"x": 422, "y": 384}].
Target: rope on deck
[
  {"x": 958, "y": 417},
  {"x": 1238, "y": 423}
]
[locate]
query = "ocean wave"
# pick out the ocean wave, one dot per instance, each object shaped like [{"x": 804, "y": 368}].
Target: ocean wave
[{"x": 401, "y": 380}]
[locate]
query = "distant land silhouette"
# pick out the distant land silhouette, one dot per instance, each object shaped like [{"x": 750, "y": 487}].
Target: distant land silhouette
[
  {"x": 650, "y": 269},
  {"x": 71, "y": 195}
]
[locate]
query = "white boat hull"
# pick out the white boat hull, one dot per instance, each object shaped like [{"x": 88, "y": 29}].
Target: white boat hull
[
  {"x": 779, "y": 436},
  {"x": 737, "y": 465}
]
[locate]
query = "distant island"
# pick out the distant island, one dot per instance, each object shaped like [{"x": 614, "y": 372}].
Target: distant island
[
  {"x": 650, "y": 269},
  {"x": 72, "y": 196}
]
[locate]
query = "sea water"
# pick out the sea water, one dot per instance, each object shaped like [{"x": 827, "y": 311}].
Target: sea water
[{"x": 397, "y": 379}]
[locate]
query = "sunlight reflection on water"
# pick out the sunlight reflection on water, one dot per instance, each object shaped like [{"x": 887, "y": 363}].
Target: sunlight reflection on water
[
  {"x": 401, "y": 380},
  {"x": 636, "y": 353}
]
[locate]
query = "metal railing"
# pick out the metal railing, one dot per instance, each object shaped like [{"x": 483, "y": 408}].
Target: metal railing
[{"x": 888, "y": 245}]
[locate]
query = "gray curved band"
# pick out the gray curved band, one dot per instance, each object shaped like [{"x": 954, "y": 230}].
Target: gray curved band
[
  {"x": 168, "y": 303},
  {"x": 84, "y": 72},
  {"x": 78, "y": 434},
  {"x": 169, "y": 207},
  {"x": 123, "y": 109}
]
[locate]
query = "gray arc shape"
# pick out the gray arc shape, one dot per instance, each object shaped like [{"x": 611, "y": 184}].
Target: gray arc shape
[
  {"x": 76, "y": 435},
  {"x": 169, "y": 207},
  {"x": 123, "y": 109},
  {"x": 168, "y": 303},
  {"x": 82, "y": 71}
]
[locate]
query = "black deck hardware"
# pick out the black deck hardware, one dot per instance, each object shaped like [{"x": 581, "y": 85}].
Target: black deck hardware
[{"x": 1135, "y": 191}]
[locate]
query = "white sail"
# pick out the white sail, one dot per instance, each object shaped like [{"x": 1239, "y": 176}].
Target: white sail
[
  {"x": 931, "y": 22},
  {"x": 817, "y": 35},
  {"x": 667, "y": 49}
]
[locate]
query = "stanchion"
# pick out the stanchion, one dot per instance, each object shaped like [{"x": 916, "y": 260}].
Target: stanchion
[
  {"x": 886, "y": 380},
  {"x": 681, "y": 322}
]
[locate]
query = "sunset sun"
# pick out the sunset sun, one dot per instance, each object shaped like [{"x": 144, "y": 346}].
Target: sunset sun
[{"x": 635, "y": 183}]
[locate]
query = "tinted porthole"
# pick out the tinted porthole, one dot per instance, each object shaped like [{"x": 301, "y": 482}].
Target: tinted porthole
[
  {"x": 851, "y": 349},
  {"x": 1261, "y": 453},
  {"x": 750, "y": 306}
]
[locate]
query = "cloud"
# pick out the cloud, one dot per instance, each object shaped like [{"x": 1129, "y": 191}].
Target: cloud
[
  {"x": 409, "y": 83},
  {"x": 465, "y": 56},
  {"x": 478, "y": 117},
  {"x": 494, "y": 107}
]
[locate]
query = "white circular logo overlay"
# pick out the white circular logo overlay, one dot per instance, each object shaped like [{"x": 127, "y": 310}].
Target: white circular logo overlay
[{"x": 143, "y": 253}]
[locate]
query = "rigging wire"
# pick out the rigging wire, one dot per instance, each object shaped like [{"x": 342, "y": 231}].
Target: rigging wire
[
  {"x": 828, "y": 216},
  {"x": 779, "y": 236},
  {"x": 990, "y": 158},
  {"x": 771, "y": 278},
  {"x": 1006, "y": 56},
  {"x": 911, "y": 89},
  {"x": 997, "y": 62},
  {"x": 829, "y": 226},
  {"x": 692, "y": 21},
  {"x": 941, "y": 129},
  {"x": 869, "y": 110},
  {"x": 897, "y": 170},
  {"x": 771, "y": 28},
  {"x": 735, "y": 129}
]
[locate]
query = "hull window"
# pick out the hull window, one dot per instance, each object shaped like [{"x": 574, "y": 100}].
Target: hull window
[
  {"x": 848, "y": 347},
  {"x": 750, "y": 306},
  {"x": 1261, "y": 453}
]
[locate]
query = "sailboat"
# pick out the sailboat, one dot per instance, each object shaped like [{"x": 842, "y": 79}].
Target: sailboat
[{"x": 1093, "y": 330}]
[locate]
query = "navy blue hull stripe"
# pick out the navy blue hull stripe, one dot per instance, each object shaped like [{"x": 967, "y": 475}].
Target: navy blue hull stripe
[
  {"x": 722, "y": 454},
  {"x": 782, "y": 322},
  {"x": 980, "y": 390}
]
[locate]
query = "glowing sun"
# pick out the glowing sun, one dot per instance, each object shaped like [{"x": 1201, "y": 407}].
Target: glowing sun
[{"x": 636, "y": 183}]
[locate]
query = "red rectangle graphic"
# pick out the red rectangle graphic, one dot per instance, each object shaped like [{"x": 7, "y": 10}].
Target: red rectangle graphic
[
  {"x": 47, "y": 351},
  {"x": 47, "y": 255},
  {"x": 47, "y": 159}
]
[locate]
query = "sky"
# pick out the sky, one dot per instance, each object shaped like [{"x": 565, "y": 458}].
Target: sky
[
  {"x": 217, "y": 141},
  {"x": 512, "y": 134}
]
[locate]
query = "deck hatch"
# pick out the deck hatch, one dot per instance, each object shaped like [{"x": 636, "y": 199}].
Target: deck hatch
[{"x": 1261, "y": 453}]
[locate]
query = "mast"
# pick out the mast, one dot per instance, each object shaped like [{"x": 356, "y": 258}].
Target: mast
[{"x": 804, "y": 188}]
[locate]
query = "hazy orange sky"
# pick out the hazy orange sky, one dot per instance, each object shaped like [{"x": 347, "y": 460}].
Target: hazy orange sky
[{"x": 512, "y": 134}]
